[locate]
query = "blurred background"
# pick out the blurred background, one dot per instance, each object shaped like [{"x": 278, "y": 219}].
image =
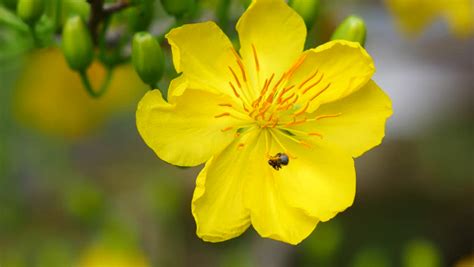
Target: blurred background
[{"x": 78, "y": 186}]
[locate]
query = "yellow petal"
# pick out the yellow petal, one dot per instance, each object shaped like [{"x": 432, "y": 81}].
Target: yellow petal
[
  {"x": 186, "y": 132},
  {"x": 413, "y": 15},
  {"x": 355, "y": 123},
  {"x": 274, "y": 34},
  {"x": 318, "y": 179},
  {"x": 332, "y": 71},
  {"x": 218, "y": 198},
  {"x": 270, "y": 212},
  {"x": 204, "y": 54}
]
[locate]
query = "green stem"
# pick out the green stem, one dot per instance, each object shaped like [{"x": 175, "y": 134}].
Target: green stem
[{"x": 103, "y": 88}]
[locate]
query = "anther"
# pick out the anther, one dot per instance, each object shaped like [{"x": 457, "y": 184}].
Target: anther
[
  {"x": 309, "y": 79},
  {"x": 235, "y": 77},
  {"x": 314, "y": 84},
  {"x": 225, "y": 105},
  {"x": 234, "y": 90},
  {"x": 316, "y": 134},
  {"x": 257, "y": 65},
  {"x": 328, "y": 116},
  {"x": 320, "y": 92},
  {"x": 222, "y": 115},
  {"x": 302, "y": 111},
  {"x": 227, "y": 128}
]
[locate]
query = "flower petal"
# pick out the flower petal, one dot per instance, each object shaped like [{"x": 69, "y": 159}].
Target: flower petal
[
  {"x": 204, "y": 54},
  {"x": 332, "y": 71},
  {"x": 217, "y": 204},
  {"x": 318, "y": 179},
  {"x": 355, "y": 123},
  {"x": 273, "y": 33},
  {"x": 186, "y": 132},
  {"x": 270, "y": 212}
]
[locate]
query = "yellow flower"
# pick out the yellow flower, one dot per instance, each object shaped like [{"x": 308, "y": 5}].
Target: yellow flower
[
  {"x": 101, "y": 255},
  {"x": 49, "y": 96},
  {"x": 415, "y": 15},
  {"x": 237, "y": 111}
]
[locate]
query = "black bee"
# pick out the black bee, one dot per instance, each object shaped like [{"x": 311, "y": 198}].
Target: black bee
[{"x": 279, "y": 160}]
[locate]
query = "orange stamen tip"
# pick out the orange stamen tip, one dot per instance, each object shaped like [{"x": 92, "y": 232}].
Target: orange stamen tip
[
  {"x": 227, "y": 128},
  {"x": 328, "y": 116},
  {"x": 234, "y": 90},
  {"x": 314, "y": 84},
  {"x": 225, "y": 105},
  {"x": 316, "y": 134},
  {"x": 320, "y": 92},
  {"x": 235, "y": 77},
  {"x": 240, "y": 146},
  {"x": 305, "y": 144},
  {"x": 257, "y": 64},
  {"x": 222, "y": 115}
]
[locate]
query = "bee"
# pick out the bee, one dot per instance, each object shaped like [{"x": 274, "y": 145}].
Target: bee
[{"x": 279, "y": 160}]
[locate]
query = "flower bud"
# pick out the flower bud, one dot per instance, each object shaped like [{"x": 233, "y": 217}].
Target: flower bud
[
  {"x": 351, "y": 29},
  {"x": 147, "y": 58},
  {"x": 308, "y": 9},
  {"x": 30, "y": 10},
  {"x": 77, "y": 44},
  {"x": 178, "y": 8}
]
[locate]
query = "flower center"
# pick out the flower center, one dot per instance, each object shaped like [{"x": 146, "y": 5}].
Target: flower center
[{"x": 277, "y": 105}]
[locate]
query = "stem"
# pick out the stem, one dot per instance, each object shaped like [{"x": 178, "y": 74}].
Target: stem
[{"x": 103, "y": 88}]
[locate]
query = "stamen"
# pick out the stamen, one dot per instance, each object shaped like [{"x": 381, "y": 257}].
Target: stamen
[
  {"x": 225, "y": 105},
  {"x": 283, "y": 92},
  {"x": 257, "y": 65},
  {"x": 241, "y": 65},
  {"x": 306, "y": 144},
  {"x": 316, "y": 134},
  {"x": 295, "y": 122},
  {"x": 233, "y": 89},
  {"x": 320, "y": 92},
  {"x": 235, "y": 77},
  {"x": 227, "y": 128},
  {"x": 279, "y": 143},
  {"x": 296, "y": 66},
  {"x": 328, "y": 116},
  {"x": 245, "y": 108},
  {"x": 314, "y": 84},
  {"x": 240, "y": 146},
  {"x": 222, "y": 115},
  {"x": 288, "y": 98},
  {"x": 302, "y": 111},
  {"x": 309, "y": 79}
]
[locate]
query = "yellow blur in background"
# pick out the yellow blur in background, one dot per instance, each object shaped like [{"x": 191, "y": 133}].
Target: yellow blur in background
[{"x": 50, "y": 98}]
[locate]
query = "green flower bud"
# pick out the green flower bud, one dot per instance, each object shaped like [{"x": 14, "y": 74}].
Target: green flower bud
[
  {"x": 308, "y": 9},
  {"x": 30, "y": 10},
  {"x": 71, "y": 8},
  {"x": 77, "y": 44},
  {"x": 147, "y": 58},
  {"x": 178, "y": 8},
  {"x": 139, "y": 17},
  {"x": 351, "y": 29}
]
